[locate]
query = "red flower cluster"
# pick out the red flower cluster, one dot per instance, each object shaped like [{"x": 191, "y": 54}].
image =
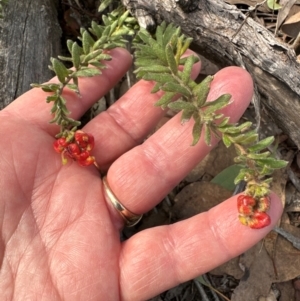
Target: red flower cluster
[
  {"x": 77, "y": 148},
  {"x": 252, "y": 212}
]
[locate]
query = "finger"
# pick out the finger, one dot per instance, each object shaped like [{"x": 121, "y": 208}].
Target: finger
[
  {"x": 32, "y": 106},
  {"x": 127, "y": 122},
  {"x": 167, "y": 157},
  {"x": 157, "y": 259}
]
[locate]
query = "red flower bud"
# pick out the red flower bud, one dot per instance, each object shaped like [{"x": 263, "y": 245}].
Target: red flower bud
[
  {"x": 263, "y": 204},
  {"x": 260, "y": 220},
  {"x": 60, "y": 144},
  {"x": 245, "y": 204},
  {"x": 84, "y": 140},
  {"x": 73, "y": 151},
  {"x": 88, "y": 161},
  {"x": 257, "y": 220}
]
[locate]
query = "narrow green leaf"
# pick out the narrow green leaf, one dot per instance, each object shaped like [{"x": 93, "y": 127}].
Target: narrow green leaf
[
  {"x": 186, "y": 44},
  {"x": 246, "y": 138},
  {"x": 159, "y": 77},
  {"x": 215, "y": 105},
  {"x": 207, "y": 135},
  {"x": 96, "y": 29},
  {"x": 171, "y": 59},
  {"x": 272, "y": 163},
  {"x": 187, "y": 69},
  {"x": 122, "y": 18},
  {"x": 65, "y": 58},
  {"x": 261, "y": 144},
  {"x": 224, "y": 122},
  {"x": 197, "y": 129},
  {"x": 154, "y": 69},
  {"x": 70, "y": 45},
  {"x": 259, "y": 155},
  {"x": 76, "y": 52},
  {"x": 87, "y": 42},
  {"x": 87, "y": 72},
  {"x": 51, "y": 98},
  {"x": 165, "y": 100},
  {"x": 47, "y": 87},
  {"x": 182, "y": 105},
  {"x": 60, "y": 70},
  {"x": 233, "y": 129},
  {"x": 92, "y": 55},
  {"x": 104, "y": 4},
  {"x": 73, "y": 87},
  {"x": 202, "y": 90},
  {"x": 226, "y": 140},
  {"x": 241, "y": 176},
  {"x": 186, "y": 115},
  {"x": 174, "y": 87},
  {"x": 156, "y": 88}
]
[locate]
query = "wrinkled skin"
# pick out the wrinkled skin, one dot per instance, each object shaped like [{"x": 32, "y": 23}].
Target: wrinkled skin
[{"x": 60, "y": 236}]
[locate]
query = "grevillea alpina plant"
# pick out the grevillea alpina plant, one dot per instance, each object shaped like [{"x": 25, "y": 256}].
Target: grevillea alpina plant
[{"x": 158, "y": 58}]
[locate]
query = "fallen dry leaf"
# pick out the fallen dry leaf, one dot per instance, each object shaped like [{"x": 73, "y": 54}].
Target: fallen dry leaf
[{"x": 291, "y": 26}]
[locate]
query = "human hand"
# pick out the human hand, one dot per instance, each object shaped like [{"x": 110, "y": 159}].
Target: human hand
[{"x": 60, "y": 235}]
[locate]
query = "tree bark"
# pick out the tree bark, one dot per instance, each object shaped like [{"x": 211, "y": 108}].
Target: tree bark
[
  {"x": 225, "y": 36},
  {"x": 30, "y": 36}
]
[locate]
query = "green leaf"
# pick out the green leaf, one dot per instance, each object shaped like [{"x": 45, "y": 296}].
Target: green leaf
[
  {"x": 221, "y": 102},
  {"x": 122, "y": 18},
  {"x": 226, "y": 140},
  {"x": 76, "y": 52},
  {"x": 171, "y": 59},
  {"x": 174, "y": 87},
  {"x": 240, "y": 177},
  {"x": 207, "y": 135},
  {"x": 202, "y": 90},
  {"x": 87, "y": 42},
  {"x": 74, "y": 88},
  {"x": 259, "y": 155},
  {"x": 104, "y": 4},
  {"x": 159, "y": 77},
  {"x": 70, "y": 45},
  {"x": 94, "y": 54},
  {"x": 51, "y": 98},
  {"x": 47, "y": 87},
  {"x": 272, "y": 163},
  {"x": 87, "y": 72},
  {"x": 233, "y": 129},
  {"x": 226, "y": 177},
  {"x": 154, "y": 69},
  {"x": 182, "y": 105},
  {"x": 60, "y": 70},
  {"x": 156, "y": 88},
  {"x": 186, "y": 115},
  {"x": 197, "y": 129},
  {"x": 165, "y": 100},
  {"x": 187, "y": 69},
  {"x": 261, "y": 144}
]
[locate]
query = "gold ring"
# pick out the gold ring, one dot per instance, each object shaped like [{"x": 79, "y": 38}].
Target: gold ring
[{"x": 129, "y": 217}]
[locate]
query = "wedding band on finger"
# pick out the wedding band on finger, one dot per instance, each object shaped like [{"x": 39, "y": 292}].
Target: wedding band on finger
[{"x": 129, "y": 217}]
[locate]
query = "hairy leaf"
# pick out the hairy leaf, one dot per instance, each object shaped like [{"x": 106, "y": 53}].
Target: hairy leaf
[
  {"x": 182, "y": 105},
  {"x": 87, "y": 72},
  {"x": 202, "y": 89},
  {"x": 174, "y": 87},
  {"x": 60, "y": 70},
  {"x": 197, "y": 129},
  {"x": 261, "y": 144},
  {"x": 76, "y": 51},
  {"x": 221, "y": 102},
  {"x": 171, "y": 59},
  {"x": 165, "y": 100}
]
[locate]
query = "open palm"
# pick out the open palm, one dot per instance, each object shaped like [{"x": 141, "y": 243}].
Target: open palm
[{"x": 60, "y": 237}]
